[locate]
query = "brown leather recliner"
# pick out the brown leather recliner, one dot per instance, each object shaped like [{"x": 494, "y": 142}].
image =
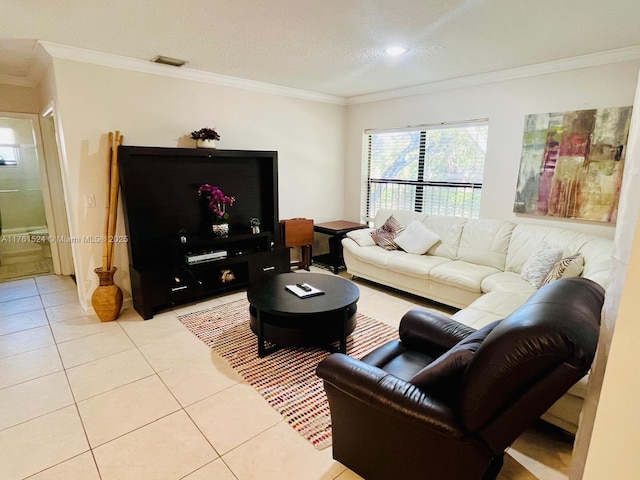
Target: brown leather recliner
[{"x": 445, "y": 401}]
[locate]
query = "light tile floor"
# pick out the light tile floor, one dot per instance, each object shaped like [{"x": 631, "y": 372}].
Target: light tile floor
[{"x": 134, "y": 399}]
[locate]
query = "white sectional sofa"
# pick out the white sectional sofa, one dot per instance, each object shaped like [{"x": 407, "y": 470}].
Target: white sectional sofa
[{"x": 476, "y": 266}]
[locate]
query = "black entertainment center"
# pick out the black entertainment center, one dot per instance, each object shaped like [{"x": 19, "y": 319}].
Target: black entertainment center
[{"x": 174, "y": 256}]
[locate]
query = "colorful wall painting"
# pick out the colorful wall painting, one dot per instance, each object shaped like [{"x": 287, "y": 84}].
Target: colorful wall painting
[{"x": 572, "y": 164}]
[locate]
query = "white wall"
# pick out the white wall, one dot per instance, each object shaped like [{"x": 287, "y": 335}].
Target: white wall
[
  {"x": 610, "y": 453},
  {"x": 156, "y": 110},
  {"x": 613, "y": 448},
  {"x": 505, "y": 104},
  {"x": 18, "y": 99},
  {"x": 611, "y": 417}
]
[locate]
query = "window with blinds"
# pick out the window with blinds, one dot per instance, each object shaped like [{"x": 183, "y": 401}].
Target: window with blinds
[
  {"x": 433, "y": 169},
  {"x": 8, "y": 147}
]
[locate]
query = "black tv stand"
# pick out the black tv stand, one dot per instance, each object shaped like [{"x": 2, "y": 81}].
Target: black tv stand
[{"x": 174, "y": 256}]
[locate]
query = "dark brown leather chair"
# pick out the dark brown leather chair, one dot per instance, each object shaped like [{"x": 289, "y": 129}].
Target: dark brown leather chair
[{"x": 445, "y": 401}]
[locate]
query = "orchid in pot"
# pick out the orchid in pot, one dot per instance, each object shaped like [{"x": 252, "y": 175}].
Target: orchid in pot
[{"x": 217, "y": 202}]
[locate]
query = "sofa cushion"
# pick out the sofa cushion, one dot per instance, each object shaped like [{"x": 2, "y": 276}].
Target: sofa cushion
[
  {"x": 362, "y": 237},
  {"x": 506, "y": 282},
  {"x": 374, "y": 255},
  {"x": 464, "y": 275},
  {"x": 485, "y": 242},
  {"x": 415, "y": 265},
  {"x": 385, "y": 235},
  {"x": 499, "y": 303},
  {"x": 526, "y": 239},
  {"x": 416, "y": 238},
  {"x": 597, "y": 259},
  {"x": 539, "y": 263},
  {"x": 580, "y": 389},
  {"x": 449, "y": 229},
  {"x": 571, "y": 266},
  {"x": 475, "y": 318}
]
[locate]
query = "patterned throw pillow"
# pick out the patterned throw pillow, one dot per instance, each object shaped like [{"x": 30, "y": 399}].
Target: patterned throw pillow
[
  {"x": 565, "y": 268},
  {"x": 385, "y": 235},
  {"x": 539, "y": 264}
]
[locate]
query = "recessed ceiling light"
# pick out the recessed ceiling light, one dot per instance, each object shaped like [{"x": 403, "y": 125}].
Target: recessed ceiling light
[{"x": 395, "y": 50}]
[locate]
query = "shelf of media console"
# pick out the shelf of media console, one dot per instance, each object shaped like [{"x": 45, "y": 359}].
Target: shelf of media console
[
  {"x": 198, "y": 250},
  {"x": 198, "y": 241}
]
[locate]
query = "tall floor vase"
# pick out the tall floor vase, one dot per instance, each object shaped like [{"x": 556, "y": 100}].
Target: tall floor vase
[{"x": 107, "y": 297}]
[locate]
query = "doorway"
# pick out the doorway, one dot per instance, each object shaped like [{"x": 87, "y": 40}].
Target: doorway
[{"x": 28, "y": 244}]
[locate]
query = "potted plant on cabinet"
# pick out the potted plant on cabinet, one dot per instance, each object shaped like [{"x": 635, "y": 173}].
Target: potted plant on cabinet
[{"x": 205, "y": 137}]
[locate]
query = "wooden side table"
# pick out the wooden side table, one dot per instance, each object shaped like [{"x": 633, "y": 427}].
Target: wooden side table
[{"x": 336, "y": 231}]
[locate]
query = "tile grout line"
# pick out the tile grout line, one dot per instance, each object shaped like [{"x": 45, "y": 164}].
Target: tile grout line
[{"x": 75, "y": 403}]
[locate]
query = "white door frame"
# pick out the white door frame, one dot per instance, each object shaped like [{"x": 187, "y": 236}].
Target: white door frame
[
  {"x": 52, "y": 189},
  {"x": 58, "y": 223}
]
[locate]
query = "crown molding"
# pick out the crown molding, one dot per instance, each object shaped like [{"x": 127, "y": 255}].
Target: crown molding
[
  {"x": 128, "y": 63},
  {"x": 15, "y": 80},
  {"x": 38, "y": 62},
  {"x": 137, "y": 65},
  {"x": 573, "y": 63}
]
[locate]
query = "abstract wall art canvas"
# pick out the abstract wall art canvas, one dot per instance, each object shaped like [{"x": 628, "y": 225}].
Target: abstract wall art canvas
[{"x": 572, "y": 164}]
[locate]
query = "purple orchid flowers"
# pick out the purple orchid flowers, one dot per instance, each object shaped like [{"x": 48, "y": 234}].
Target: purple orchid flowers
[{"x": 217, "y": 200}]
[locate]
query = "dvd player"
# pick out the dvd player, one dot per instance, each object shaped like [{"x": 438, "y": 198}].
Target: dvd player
[{"x": 193, "y": 258}]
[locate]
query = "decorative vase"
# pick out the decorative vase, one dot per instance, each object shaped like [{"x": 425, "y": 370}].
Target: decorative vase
[
  {"x": 107, "y": 297},
  {"x": 220, "y": 229},
  {"x": 206, "y": 143}
]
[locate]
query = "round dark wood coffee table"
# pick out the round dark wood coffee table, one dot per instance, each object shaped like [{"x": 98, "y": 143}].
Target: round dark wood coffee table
[{"x": 283, "y": 319}]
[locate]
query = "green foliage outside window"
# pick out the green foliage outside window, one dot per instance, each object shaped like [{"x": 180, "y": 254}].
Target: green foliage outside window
[{"x": 435, "y": 170}]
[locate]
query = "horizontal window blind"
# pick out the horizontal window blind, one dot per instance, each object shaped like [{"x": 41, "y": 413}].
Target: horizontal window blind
[{"x": 433, "y": 169}]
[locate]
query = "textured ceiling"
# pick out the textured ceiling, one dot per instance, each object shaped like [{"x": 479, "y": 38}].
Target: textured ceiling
[{"x": 331, "y": 46}]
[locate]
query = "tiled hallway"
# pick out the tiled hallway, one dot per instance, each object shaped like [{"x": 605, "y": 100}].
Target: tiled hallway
[{"x": 133, "y": 399}]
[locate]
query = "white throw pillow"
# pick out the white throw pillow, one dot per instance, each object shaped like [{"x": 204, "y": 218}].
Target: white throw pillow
[
  {"x": 538, "y": 264},
  {"x": 362, "y": 237},
  {"x": 416, "y": 238}
]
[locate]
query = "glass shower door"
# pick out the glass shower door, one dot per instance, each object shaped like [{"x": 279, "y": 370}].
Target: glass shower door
[{"x": 24, "y": 245}]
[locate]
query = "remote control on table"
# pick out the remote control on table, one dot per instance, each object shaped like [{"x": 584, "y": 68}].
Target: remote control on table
[{"x": 304, "y": 287}]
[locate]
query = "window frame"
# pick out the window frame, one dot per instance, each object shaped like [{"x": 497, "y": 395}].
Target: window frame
[
  {"x": 420, "y": 183},
  {"x": 13, "y": 162}
]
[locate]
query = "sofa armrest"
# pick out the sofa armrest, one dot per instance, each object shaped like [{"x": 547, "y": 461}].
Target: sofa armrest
[
  {"x": 428, "y": 331},
  {"x": 392, "y": 396},
  {"x": 384, "y": 354}
]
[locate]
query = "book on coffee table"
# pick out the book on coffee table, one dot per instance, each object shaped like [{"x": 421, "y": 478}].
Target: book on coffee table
[{"x": 304, "y": 290}]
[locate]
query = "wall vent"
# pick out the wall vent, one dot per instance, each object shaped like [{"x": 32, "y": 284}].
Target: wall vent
[{"x": 174, "y": 62}]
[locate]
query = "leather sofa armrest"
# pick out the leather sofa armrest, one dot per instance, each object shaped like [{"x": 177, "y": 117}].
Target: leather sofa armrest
[
  {"x": 428, "y": 331},
  {"x": 391, "y": 395},
  {"x": 384, "y": 354}
]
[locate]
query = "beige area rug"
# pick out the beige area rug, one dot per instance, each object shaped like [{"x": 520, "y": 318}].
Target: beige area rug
[{"x": 285, "y": 378}]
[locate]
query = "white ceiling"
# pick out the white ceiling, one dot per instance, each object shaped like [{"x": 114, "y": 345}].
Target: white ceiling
[{"x": 331, "y": 46}]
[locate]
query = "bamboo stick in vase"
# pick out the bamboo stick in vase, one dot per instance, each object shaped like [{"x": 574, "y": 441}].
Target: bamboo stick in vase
[
  {"x": 105, "y": 248},
  {"x": 113, "y": 201}
]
